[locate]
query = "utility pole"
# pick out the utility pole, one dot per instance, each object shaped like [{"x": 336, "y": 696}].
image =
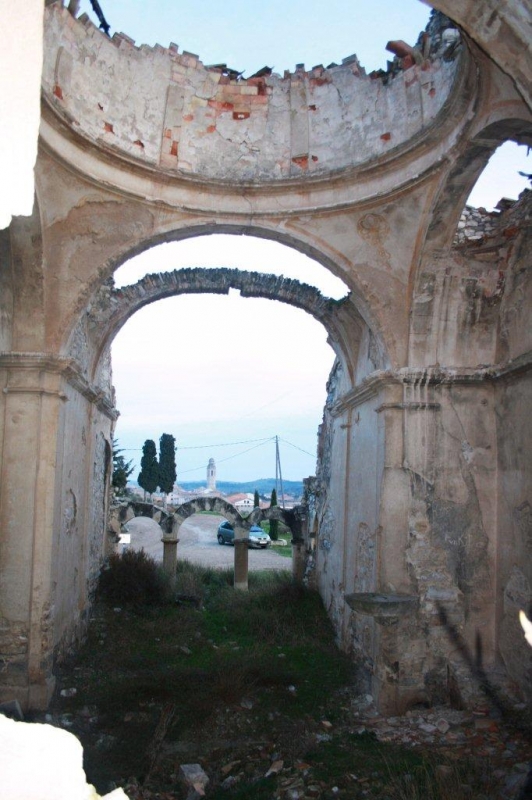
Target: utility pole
[{"x": 278, "y": 472}]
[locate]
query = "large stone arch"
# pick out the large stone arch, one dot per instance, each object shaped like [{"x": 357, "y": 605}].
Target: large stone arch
[
  {"x": 467, "y": 169},
  {"x": 344, "y": 320},
  {"x": 501, "y": 29},
  {"x": 111, "y": 308}
]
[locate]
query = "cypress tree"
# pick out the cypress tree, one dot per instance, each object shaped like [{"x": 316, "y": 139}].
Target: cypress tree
[
  {"x": 274, "y": 523},
  {"x": 122, "y": 469},
  {"x": 167, "y": 471},
  {"x": 256, "y": 499},
  {"x": 149, "y": 468}
]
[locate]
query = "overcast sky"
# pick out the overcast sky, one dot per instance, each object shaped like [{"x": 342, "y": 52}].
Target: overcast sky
[{"x": 214, "y": 370}]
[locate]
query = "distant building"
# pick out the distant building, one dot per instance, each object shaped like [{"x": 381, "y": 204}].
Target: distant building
[
  {"x": 211, "y": 475},
  {"x": 242, "y": 502}
]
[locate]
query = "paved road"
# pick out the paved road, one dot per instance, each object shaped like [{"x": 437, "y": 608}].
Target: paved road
[{"x": 198, "y": 544}]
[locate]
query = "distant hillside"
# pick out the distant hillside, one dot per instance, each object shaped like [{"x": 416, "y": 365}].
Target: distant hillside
[{"x": 263, "y": 485}]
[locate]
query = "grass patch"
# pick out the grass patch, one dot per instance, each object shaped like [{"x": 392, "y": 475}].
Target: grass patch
[
  {"x": 284, "y": 533},
  {"x": 242, "y": 677},
  {"x": 198, "y": 660}
]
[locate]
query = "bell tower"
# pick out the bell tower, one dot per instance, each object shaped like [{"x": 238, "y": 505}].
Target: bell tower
[{"x": 211, "y": 475}]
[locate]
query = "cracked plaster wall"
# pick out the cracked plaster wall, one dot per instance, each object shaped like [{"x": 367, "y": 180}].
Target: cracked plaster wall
[
  {"x": 514, "y": 431},
  {"x": 424, "y": 481},
  {"x": 81, "y": 508},
  {"x": 167, "y": 109}
]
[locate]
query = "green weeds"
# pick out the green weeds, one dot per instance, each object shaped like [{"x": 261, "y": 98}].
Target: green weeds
[{"x": 237, "y": 677}]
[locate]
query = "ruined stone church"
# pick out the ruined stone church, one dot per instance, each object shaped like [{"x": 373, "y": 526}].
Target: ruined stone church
[{"x": 421, "y": 511}]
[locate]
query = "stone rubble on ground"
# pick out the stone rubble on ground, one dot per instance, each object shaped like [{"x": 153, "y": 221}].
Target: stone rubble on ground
[{"x": 195, "y": 779}]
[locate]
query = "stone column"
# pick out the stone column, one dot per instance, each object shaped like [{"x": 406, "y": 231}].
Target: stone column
[
  {"x": 241, "y": 559},
  {"x": 170, "y": 542},
  {"x": 298, "y": 560},
  {"x": 31, "y": 403},
  {"x": 52, "y": 534}
]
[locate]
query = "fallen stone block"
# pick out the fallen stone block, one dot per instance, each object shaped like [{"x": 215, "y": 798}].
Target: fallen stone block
[{"x": 195, "y": 779}]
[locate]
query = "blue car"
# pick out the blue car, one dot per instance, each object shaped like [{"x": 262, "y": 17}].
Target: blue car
[{"x": 256, "y": 536}]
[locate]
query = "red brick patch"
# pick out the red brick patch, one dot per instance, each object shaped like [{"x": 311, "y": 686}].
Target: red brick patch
[
  {"x": 301, "y": 161},
  {"x": 58, "y": 91},
  {"x": 219, "y": 106},
  {"x": 386, "y": 136},
  {"x": 319, "y": 81},
  {"x": 511, "y": 231}
]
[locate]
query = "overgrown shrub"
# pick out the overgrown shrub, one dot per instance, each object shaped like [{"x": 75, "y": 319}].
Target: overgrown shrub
[{"x": 133, "y": 579}]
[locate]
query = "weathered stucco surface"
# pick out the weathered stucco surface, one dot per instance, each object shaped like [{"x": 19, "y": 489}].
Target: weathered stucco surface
[
  {"x": 421, "y": 507},
  {"x": 208, "y": 124}
]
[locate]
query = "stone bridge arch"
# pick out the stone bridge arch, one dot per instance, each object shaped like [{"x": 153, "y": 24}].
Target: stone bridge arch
[
  {"x": 293, "y": 518},
  {"x": 216, "y": 504},
  {"x": 122, "y": 513}
]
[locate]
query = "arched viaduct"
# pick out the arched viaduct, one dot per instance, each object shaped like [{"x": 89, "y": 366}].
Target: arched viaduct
[
  {"x": 170, "y": 523},
  {"x": 423, "y": 499}
]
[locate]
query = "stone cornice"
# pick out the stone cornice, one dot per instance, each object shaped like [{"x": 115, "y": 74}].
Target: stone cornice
[
  {"x": 35, "y": 361},
  {"x": 432, "y": 376},
  {"x": 55, "y": 365},
  {"x": 370, "y": 387},
  {"x": 513, "y": 368}
]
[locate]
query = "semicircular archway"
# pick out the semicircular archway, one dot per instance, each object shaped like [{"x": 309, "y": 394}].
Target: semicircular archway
[{"x": 113, "y": 307}]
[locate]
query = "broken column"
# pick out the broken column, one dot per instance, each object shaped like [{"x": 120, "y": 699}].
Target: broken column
[
  {"x": 241, "y": 542},
  {"x": 170, "y": 541}
]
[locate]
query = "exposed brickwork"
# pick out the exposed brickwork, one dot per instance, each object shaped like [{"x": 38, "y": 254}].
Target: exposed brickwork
[{"x": 193, "y": 100}]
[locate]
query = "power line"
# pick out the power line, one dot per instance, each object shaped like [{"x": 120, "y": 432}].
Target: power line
[
  {"x": 202, "y": 446},
  {"x": 223, "y": 444},
  {"x": 267, "y": 405},
  {"x": 312, "y": 455},
  {"x": 221, "y": 461}
]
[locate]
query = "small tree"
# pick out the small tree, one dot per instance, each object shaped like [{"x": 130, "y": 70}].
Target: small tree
[
  {"x": 122, "y": 469},
  {"x": 149, "y": 468},
  {"x": 167, "y": 471},
  {"x": 256, "y": 499},
  {"x": 274, "y": 523}
]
